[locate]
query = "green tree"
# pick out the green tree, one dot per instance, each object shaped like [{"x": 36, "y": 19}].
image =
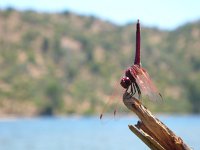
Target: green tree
[
  {"x": 54, "y": 94},
  {"x": 45, "y": 45},
  {"x": 194, "y": 94}
]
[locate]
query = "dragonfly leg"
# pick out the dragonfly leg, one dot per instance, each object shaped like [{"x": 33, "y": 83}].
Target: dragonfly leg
[
  {"x": 138, "y": 90},
  {"x": 133, "y": 88}
]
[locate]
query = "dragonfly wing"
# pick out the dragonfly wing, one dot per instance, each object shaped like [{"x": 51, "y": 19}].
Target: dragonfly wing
[
  {"x": 137, "y": 74},
  {"x": 152, "y": 91},
  {"x": 146, "y": 86}
]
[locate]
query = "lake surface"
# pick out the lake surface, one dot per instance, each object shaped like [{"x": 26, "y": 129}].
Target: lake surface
[{"x": 87, "y": 133}]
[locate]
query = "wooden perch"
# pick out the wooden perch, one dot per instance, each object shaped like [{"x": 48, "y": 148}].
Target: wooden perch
[{"x": 150, "y": 130}]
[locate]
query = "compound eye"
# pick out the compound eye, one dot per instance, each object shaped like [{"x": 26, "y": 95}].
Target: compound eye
[{"x": 125, "y": 82}]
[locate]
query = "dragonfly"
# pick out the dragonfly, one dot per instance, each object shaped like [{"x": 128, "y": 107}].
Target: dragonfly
[{"x": 137, "y": 79}]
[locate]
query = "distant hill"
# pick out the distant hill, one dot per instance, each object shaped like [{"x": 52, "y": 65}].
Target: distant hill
[{"x": 70, "y": 64}]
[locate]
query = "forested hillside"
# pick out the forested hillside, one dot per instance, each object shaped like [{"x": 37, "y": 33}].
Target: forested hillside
[{"x": 70, "y": 64}]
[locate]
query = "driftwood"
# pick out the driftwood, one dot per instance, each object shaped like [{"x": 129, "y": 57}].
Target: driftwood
[{"x": 150, "y": 130}]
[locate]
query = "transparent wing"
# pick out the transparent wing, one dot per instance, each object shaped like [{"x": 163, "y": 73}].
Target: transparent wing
[{"x": 146, "y": 86}]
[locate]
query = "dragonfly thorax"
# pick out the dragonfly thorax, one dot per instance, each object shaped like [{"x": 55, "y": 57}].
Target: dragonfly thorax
[{"x": 129, "y": 75}]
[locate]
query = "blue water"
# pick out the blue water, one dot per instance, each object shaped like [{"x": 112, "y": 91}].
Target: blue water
[{"x": 87, "y": 133}]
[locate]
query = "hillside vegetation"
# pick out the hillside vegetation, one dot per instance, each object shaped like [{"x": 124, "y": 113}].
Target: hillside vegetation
[{"x": 70, "y": 64}]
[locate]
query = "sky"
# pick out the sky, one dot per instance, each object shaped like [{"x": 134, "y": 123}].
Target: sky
[{"x": 163, "y": 14}]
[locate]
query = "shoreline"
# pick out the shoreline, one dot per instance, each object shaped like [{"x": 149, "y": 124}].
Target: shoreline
[{"x": 16, "y": 117}]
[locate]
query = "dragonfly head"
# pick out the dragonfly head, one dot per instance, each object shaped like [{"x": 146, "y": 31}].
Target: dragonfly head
[{"x": 125, "y": 82}]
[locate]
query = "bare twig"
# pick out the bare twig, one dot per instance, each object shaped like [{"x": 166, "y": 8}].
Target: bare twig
[{"x": 150, "y": 130}]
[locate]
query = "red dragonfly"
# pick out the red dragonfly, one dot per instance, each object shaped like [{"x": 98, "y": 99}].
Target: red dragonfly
[{"x": 137, "y": 79}]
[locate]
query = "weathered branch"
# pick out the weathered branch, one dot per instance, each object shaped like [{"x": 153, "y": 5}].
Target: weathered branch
[{"x": 150, "y": 130}]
